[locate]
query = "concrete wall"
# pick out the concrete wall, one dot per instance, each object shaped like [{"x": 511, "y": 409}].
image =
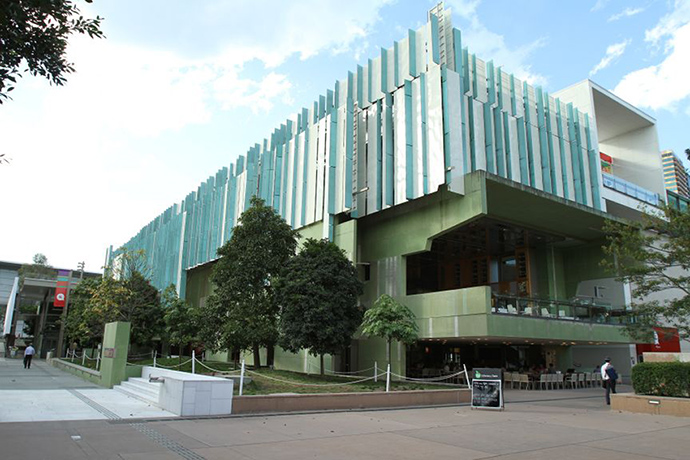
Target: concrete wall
[
  {"x": 586, "y": 358},
  {"x": 344, "y": 401}
]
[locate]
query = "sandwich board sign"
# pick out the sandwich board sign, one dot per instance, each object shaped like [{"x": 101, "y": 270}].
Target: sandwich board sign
[{"x": 487, "y": 389}]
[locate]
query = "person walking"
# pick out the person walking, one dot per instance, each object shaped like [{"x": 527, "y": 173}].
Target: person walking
[
  {"x": 28, "y": 356},
  {"x": 609, "y": 377}
]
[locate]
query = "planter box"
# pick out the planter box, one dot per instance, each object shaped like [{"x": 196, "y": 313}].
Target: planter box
[
  {"x": 655, "y": 405},
  {"x": 343, "y": 401}
]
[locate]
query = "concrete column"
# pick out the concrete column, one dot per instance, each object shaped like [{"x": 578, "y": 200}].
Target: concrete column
[{"x": 114, "y": 353}]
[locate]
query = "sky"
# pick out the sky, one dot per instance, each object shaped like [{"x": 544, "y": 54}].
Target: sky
[{"x": 180, "y": 89}]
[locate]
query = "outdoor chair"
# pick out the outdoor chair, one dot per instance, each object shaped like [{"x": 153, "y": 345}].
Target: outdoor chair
[
  {"x": 512, "y": 310},
  {"x": 551, "y": 381},
  {"x": 545, "y": 313},
  {"x": 580, "y": 380},
  {"x": 507, "y": 378},
  {"x": 559, "y": 380},
  {"x": 571, "y": 381},
  {"x": 524, "y": 380},
  {"x": 516, "y": 380},
  {"x": 543, "y": 382},
  {"x": 590, "y": 380}
]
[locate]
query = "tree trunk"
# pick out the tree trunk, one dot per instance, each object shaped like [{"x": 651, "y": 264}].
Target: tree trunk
[
  {"x": 270, "y": 354},
  {"x": 388, "y": 352},
  {"x": 257, "y": 357},
  {"x": 321, "y": 356}
]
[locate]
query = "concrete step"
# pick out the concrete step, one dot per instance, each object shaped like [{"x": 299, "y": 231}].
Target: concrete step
[
  {"x": 141, "y": 390},
  {"x": 145, "y": 385}
]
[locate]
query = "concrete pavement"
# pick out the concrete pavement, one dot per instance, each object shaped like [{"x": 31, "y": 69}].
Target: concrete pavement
[
  {"x": 44, "y": 393},
  {"x": 536, "y": 425}
]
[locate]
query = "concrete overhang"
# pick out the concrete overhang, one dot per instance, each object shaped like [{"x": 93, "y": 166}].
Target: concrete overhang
[
  {"x": 525, "y": 206},
  {"x": 614, "y": 116}
]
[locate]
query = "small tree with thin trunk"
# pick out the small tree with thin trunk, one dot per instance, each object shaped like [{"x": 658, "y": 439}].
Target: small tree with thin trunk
[{"x": 390, "y": 320}]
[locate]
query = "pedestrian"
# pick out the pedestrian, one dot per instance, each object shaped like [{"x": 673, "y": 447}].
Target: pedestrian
[
  {"x": 28, "y": 356},
  {"x": 609, "y": 377}
]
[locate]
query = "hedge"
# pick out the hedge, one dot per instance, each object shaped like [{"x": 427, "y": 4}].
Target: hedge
[{"x": 662, "y": 379}]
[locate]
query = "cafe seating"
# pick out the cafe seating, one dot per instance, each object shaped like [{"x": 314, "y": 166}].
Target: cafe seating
[
  {"x": 580, "y": 380},
  {"x": 524, "y": 380},
  {"x": 571, "y": 381}
]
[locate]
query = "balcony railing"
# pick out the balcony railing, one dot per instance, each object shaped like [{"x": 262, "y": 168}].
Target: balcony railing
[
  {"x": 630, "y": 189},
  {"x": 582, "y": 310}
]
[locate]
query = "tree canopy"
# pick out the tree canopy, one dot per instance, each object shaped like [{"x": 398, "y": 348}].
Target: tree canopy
[
  {"x": 390, "y": 320},
  {"x": 318, "y": 292},
  {"x": 180, "y": 319},
  {"x": 242, "y": 312},
  {"x": 96, "y": 302},
  {"x": 653, "y": 254},
  {"x": 33, "y": 38}
]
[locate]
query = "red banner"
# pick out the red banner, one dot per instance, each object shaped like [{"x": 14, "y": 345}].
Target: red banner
[{"x": 61, "y": 288}]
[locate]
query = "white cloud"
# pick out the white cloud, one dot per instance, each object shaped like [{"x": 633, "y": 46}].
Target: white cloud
[
  {"x": 489, "y": 45},
  {"x": 626, "y": 13},
  {"x": 93, "y": 161},
  {"x": 665, "y": 85},
  {"x": 613, "y": 52},
  {"x": 599, "y": 5}
]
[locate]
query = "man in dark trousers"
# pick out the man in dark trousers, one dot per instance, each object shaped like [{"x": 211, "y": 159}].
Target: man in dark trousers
[
  {"x": 28, "y": 356},
  {"x": 609, "y": 376}
]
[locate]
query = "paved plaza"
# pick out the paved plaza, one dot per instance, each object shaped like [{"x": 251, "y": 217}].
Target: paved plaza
[{"x": 536, "y": 425}]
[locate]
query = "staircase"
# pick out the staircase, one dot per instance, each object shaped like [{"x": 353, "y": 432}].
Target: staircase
[{"x": 140, "y": 388}]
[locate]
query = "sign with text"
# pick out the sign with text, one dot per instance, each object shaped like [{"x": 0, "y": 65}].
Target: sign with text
[
  {"x": 487, "y": 389},
  {"x": 109, "y": 352},
  {"x": 61, "y": 288}
]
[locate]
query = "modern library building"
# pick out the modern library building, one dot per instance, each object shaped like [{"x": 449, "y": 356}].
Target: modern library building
[{"x": 472, "y": 197}]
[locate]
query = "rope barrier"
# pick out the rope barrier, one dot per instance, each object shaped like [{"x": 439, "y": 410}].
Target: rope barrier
[
  {"x": 432, "y": 379},
  {"x": 348, "y": 373},
  {"x": 172, "y": 367},
  {"x": 313, "y": 384},
  {"x": 217, "y": 370}
]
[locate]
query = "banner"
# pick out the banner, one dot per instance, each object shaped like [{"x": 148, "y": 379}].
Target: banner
[{"x": 61, "y": 288}]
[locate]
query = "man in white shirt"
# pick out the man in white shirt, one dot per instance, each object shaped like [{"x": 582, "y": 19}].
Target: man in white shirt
[
  {"x": 28, "y": 355},
  {"x": 607, "y": 370}
]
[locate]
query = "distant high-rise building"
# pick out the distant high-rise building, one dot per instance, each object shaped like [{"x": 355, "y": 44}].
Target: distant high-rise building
[{"x": 675, "y": 175}]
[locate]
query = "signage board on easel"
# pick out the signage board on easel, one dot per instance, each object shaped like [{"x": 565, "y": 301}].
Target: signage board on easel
[{"x": 487, "y": 389}]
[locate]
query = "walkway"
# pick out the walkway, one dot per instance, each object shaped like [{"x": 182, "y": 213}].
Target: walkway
[
  {"x": 567, "y": 425},
  {"x": 45, "y": 393}
]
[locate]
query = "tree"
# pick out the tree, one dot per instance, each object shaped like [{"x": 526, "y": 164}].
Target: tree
[
  {"x": 96, "y": 302},
  {"x": 180, "y": 325},
  {"x": 39, "y": 269},
  {"x": 653, "y": 254},
  {"x": 242, "y": 312},
  {"x": 687, "y": 154},
  {"x": 318, "y": 291},
  {"x": 33, "y": 37},
  {"x": 390, "y": 320}
]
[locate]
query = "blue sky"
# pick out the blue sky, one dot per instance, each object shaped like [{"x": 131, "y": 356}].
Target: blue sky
[{"x": 179, "y": 89}]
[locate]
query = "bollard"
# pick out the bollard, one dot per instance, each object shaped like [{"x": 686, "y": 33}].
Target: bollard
[
  {"x": 241, "y": 378},
  {"x": 193, "y": 361},
  {"x": 376, "y": 372},
  {"x": 388, "y": 378},
  {"x": 83, "y": 357},
  {"x": 155, "y": 353}
]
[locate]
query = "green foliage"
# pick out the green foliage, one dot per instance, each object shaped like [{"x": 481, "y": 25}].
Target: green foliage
[
  {"x": 654, "y": 256},
  {"x": 38, "y": 269},
  {"x": 33, "y": 36},
  {"x": 391, "y": 320},
  {"x": 180, "y": 324},
  {"x": 242, "y": 312},
  {"x": 662, "y": 379},
  {"x": 96, "y": 302},
  {"x": 318, "y": 292}
]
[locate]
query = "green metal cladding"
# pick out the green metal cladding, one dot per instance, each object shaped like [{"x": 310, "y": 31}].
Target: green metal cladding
[{"x": 422, "y": 114}]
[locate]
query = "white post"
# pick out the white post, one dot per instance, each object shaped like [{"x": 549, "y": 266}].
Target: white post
[
  {"x": 376, "y": 372},
  {"x": 193, "y": 361},
  {"x": 155, "y": 353},
  {"x": 98, "y": 361},
  {"x": 83, "y": 357},
  {"x": 467, "y": 376},
  {"x": 72, "y": 358},
  {"x": 242, "y": 378},
  {"x": 388, "y": 379}
]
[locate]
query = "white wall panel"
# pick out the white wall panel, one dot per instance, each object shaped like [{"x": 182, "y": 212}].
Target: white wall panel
[
  {"x": 479, "y": 143},
  {"x": 399, "y": 145},
  {"x": 434, "y": 126}
]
